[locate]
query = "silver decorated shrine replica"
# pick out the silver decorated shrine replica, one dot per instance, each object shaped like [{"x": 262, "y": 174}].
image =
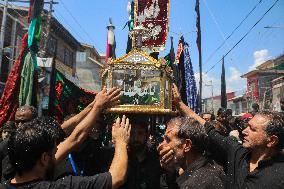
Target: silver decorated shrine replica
[{"x": 145, "y": 82}]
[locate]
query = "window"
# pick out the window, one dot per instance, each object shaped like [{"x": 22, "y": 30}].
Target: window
[
  {"x": 252, "y": 87},
  {"x": 81, "y": 57},
  {"x": 68, "y": 58},
  {"x": 52, "y": 44}
]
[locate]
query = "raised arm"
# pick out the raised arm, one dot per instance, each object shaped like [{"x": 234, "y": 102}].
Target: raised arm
[
  {"x": 103, "y": 100},
  {"x": 69, "y": 125},
  {"x": 183, "y": 109},
  {"x": 120, "y": 137},
  {"x": 223, "y": 144}
]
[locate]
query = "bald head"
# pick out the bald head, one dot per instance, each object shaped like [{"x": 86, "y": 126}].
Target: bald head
[{"x": 25, "y": 113}]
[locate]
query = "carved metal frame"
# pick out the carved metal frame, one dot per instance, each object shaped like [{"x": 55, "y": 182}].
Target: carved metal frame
[{"x": 150, "y": 63}]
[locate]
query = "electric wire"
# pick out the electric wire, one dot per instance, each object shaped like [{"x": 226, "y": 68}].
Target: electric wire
[
  {"x": 78, "y": 23},
  {"x": 244, "y": 36},
  {"x": 228, "y": 37}
]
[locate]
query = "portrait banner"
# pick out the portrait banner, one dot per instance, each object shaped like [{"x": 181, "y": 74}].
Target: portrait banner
[{"x": 154, "y": 16}]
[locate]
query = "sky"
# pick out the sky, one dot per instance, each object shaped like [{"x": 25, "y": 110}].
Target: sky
[{"x": 87, "y": 21}]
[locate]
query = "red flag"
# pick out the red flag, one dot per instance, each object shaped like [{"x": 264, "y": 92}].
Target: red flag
[
  {"x": 9, "y": 101},
  {"x": 111, "y": 43},
  {"x": 10, "y": 97}
]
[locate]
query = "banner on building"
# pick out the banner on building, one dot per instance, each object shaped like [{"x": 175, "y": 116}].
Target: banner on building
[
  {"x": 44, "y": 62},
  {"x": 68, "y": 98},
  {"x": 154, "y": 16}
]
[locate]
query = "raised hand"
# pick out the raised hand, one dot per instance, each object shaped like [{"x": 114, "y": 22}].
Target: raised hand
[
  {"x": 121, "y": 131},
  {"x": 176, "y": 94},
  {"x": 120, "y": 137},
  {"x": 106, "y": 99}
]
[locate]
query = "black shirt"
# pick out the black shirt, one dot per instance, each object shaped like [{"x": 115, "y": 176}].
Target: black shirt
[
  {"x": 85, "y": 161},
  {"x": 3, "y": 153},
  {"x": 268, "y": 174},
  {"x": 145, "y": 174},
  {"x": 101, "y": 181},
  {"x": 140, "y": 175},
  {"x": 7, "y": 170},
  {"x": 202, "y": 174}
]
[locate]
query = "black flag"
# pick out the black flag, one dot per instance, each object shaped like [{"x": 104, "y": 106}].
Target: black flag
[
  {"x": 198, "y": 43},
  {"x": 223, "y": 87},
  {"x": 181, "y": 83},
  {"x": 130, "y": 26}
]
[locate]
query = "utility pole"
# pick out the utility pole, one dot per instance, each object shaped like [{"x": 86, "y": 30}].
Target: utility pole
[
  {"x": 212, "y": 97},
  {"x": 48, "y": 26},
  {"x": 2, "y": 34},
  {"x": 45, "y": 46}
]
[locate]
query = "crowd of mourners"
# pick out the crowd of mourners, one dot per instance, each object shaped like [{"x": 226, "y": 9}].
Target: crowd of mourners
[{"x": 197, "y": 151}]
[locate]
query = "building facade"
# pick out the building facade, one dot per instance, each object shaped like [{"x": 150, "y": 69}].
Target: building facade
[
  {"x": 61, "y": 44},
  {"x": 262, "y": 83},
  {"x": 212, "y": 104},
  {"x": 239, "y": 105},
  {"x": 61, "y": 48},
  {"x": 89, "y": 64},
  {"x": 16, "y": 27},
  {"x": 277, "y": 93}
]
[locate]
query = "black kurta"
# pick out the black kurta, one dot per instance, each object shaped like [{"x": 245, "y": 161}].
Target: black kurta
[
  {"x": 202, "y": 174},
  {"x": 268, "y": 174}
]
